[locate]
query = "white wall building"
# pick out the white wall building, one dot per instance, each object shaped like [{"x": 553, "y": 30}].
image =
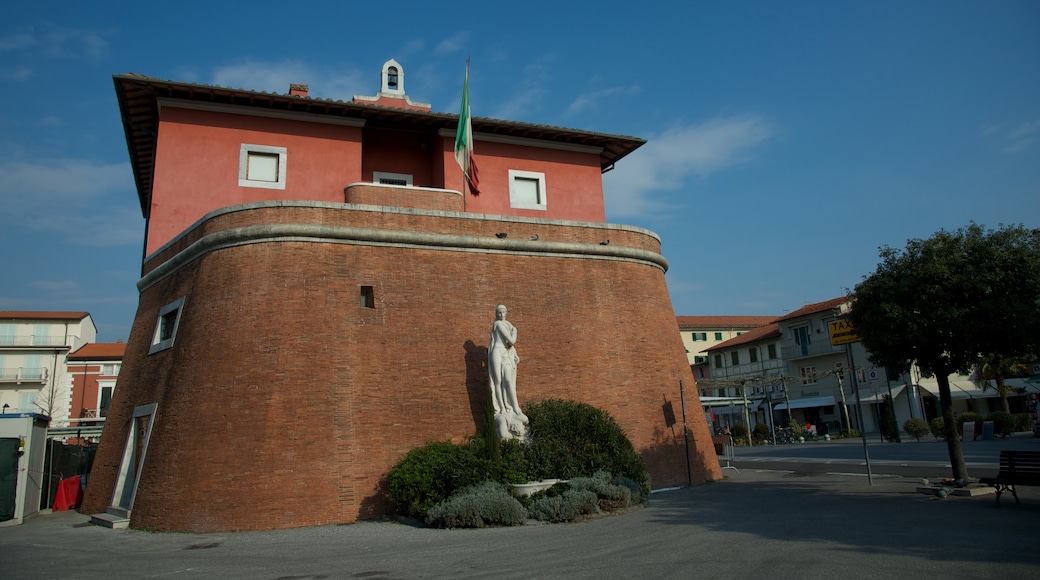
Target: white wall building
[{"x": 33, "y": 369}]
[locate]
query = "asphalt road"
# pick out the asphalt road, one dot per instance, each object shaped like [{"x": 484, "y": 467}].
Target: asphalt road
[
  {"x": 753, "y": 524},
  {"x": 927, "y": 458},
  {"x": 815, "y": 518}
]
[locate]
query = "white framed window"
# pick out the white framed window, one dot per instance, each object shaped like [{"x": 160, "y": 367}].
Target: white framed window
[
  {"x": 110, "y": 369},
  {"x": 167, "y": 325},
  {"x": 802, "y": 337},
  {"x": 385, "y": 178},
  {"x": 104, "y": 398},
  {"x": 262, "y": 166},
  {"x": 808, "y": 375},
  {"x": 526, "y": 190}
]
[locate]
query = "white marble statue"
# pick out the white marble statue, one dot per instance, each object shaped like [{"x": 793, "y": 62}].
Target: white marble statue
[{"x": 502, "y": 362}]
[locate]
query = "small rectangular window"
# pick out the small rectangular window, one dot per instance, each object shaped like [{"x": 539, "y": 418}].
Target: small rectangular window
[
  {"x": 262, "y": 166},
  {"x": 718, "y": 361},
  {"x": 105, "y": 399},
  {"x": 718, "y": 336},
  {"x": 384, "y": 178},
  {"x": 772, "y": 351},
  {"x": 368, "y": 297},
  {"x": 734, "y": 357},
  {"x": 753, "y": 354},
  {"x": 526, "y": 190},
  {"x": 166, "y": 327}
]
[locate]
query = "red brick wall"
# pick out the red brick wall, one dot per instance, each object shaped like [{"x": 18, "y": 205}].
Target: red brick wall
[
  {"x": 410, "y": 197},
  {"x": 284, "y": 402}
]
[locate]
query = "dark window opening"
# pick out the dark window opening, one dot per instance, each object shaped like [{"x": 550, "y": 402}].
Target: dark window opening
[
  {"x": 368, "y": 297},
  {"x": 167, "y": 324}
]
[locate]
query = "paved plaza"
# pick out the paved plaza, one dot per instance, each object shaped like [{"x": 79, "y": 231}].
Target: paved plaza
[{"x": 754, "y": 524}]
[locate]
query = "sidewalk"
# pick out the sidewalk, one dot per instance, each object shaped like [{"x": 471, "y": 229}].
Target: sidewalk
[{"x": 754, "y": 524}]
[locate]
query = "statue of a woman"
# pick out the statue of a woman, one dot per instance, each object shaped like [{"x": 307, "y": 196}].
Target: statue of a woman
[{"x": 502, "y": 363}]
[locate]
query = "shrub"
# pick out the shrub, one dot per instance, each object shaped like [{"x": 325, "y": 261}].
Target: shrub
[
  {"x": 635, "y": 493},
  {"x": 571, "y": 439},
  {"x": 851, "y": 434},
  {"x": 568, "y": 440},
  {"x": 1023, "y": 422},
  {"x": 797, "y": 429},
  {"x": 430, "y": 474},
  {"x": 486, "y": 504},
  {"x": 609, "y": 496},
  {"x": 761, "y": 430},
  {"x": 566, "y": 507},
  {"x": 938, "y": 428},
  {"x": 915, "y": 427},
  {"x": 740, "y": 432},
  {"x": 1003, "y": 424}
]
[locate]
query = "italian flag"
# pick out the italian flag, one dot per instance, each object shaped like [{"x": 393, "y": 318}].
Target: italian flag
[{"x": 464, "y": 140}]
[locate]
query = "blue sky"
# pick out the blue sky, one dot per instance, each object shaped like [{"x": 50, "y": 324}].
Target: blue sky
[{"x": 788, "y": 141}]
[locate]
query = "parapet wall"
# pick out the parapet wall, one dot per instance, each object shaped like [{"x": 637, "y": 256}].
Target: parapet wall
[{"x": 286, "y": 399}]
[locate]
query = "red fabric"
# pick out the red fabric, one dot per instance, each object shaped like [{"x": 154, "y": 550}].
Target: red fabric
[{"x": 69, "y": 494}]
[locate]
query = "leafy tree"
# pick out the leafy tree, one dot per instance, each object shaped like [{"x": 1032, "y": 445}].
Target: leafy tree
[
  {"x": 997, "y": 368},
  {"x": 940, "y": 302}
]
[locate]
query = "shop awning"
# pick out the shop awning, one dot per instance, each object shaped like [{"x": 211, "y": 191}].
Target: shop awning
[
  {"x": 961, "y": 389},
  {"x": 721, "y": 403},
  {"x": 881, "y": 394},
  {"x": 806, "y": 403}
]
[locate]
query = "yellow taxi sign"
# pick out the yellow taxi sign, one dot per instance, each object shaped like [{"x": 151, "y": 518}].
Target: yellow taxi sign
[{"x": 842, "y": 333}]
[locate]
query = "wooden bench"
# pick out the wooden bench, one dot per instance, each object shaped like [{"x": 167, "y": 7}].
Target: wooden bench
[{"x": 1016, "y": 468}]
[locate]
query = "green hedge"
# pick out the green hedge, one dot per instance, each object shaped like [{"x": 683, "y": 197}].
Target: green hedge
[{"x": 567, "y": 440}]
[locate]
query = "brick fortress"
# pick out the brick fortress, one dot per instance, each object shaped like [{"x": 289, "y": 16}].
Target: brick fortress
[{"x": 303, "y": 327}]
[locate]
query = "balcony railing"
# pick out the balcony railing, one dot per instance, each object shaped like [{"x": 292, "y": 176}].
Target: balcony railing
[
  {"x": 23, "y": 375},
  {"x": 33, "y": 340}
]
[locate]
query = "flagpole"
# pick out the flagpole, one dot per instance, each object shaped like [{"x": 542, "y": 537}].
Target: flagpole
[{"x": 465, "y": 176}]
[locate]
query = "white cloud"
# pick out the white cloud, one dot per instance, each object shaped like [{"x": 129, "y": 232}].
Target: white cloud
[
  {"x": 1012, "y": 138},
  {"x": 275, "y": 77},
  {"x": 17, "y": 41},
  {"x": 20, "y": 73},
  {"x": 592, "y": 99},
  {"x": 533, "y": 93},
  {"x": 679, "y": 154},
  {"x": 72, "y": 197},
  {"x": 62, "y": 287},
  {"x": 56, "y": 42},
  {"x": 453, "y": 43}
]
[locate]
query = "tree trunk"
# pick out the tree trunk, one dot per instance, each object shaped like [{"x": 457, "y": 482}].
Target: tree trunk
[
  {"x": 953, "y": 441},
  {"x": 1002, "y": 390}
]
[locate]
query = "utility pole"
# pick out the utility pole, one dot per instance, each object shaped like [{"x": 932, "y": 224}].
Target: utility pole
[{"x": 844, "y": 405}]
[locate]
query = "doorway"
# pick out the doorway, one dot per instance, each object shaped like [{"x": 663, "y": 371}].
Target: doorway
[{"x": 129, "y": 474}]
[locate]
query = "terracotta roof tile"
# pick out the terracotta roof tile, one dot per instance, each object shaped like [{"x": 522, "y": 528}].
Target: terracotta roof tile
[
  {"x": 100, "y": 351},
  {"x": 723, "y": 321},
  {"x": 762, "y": 333},
  {"x": 815, "y": 308},
  {"x": 41, "y": 315}
]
